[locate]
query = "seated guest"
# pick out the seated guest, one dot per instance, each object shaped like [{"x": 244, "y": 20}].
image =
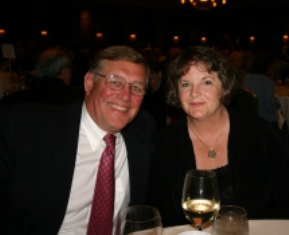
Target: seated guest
[
  {"x": 154, "y": 99},
  {"x": 259, "y": 81},
  {"x": 245, "y": 100},
  {"x": 237, "y": 59},
  {"x": 7, "y": 79},
  {"x": 281, "y": 70},
  {"x": 53, "y": 71},
  {"x": 248, "y": 60},
  {"x": 70, "y": 169},
  {"x": 246, "y": 153}
]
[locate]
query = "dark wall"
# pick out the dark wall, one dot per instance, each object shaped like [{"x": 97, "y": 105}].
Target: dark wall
[{"x": 24, "y": 20}]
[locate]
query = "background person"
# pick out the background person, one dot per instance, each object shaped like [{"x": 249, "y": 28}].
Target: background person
[
  {"x": 154, "y": 100},
  {"x": 260, "y": 81},
  {"x": 53, "y": 73}
]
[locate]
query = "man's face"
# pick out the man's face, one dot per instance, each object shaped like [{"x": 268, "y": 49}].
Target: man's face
[{"x": 112, "y": 110}]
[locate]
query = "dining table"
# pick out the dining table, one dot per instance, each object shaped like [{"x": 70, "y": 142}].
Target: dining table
[{"x": 256, "y": 227}]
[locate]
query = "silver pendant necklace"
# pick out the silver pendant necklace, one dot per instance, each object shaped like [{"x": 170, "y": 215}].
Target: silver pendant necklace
[{"x": 211, "y": 153}]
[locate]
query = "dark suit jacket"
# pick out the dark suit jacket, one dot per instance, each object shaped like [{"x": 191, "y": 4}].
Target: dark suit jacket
[
  {"x": 50, "y": 90},
  {"x": 38, "y": 147},
  {"x": 257, "y": 169}
]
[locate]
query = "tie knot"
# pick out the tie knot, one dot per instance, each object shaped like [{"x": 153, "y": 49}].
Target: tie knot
[{"x": 109, "y": 140}]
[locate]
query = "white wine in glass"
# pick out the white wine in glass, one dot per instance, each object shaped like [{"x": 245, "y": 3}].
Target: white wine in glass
[{"x": 200, "y": 199}]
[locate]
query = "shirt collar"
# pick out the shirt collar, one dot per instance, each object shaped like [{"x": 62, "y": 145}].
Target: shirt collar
[{"x": 93, "y": 132}]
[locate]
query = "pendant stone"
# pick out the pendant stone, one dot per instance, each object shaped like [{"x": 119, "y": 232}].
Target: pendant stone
[{"x": 212, "y": 153}]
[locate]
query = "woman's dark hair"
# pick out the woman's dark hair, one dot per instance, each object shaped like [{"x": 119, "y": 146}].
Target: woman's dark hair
[{"x": 213, "y": 61}]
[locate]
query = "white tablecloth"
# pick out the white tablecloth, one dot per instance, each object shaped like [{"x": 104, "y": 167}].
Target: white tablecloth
[
  {"x": 256, "y": 227},
  {"x": 284, "y": 103},
  {"x": 282, "y": 94}
]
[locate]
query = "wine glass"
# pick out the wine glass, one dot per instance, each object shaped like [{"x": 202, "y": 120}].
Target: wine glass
[
  {"x": 231, "y": 220},
  {"x": 139, "y": 220},
  {"x": 200, "y": 199}
]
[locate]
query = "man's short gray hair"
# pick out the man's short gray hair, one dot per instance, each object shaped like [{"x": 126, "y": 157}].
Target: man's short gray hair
[
  {"x": 51, "y": 61},
  {"x": 118, "y": 53}
]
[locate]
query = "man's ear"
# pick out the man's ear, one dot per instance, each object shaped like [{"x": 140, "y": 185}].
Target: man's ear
[{"x": 88, "y": 82}]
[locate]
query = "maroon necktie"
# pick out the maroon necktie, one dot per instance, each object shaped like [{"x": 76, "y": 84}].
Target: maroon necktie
[{"x": 101, "y": 216}]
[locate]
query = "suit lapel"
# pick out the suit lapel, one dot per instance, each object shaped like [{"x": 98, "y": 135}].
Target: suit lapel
[
  {"x": 138, "y": 163},
  {"x": 66, "y": 157}
]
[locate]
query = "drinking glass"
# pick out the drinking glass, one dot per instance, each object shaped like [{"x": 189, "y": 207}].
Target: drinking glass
[
  {"x": 231, "y": 220},
  {"x": 140, "y": 220},
  {"x": 200, "y": 199}
]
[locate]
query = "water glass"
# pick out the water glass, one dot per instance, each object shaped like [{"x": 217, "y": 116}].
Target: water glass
[
  {"x": 231, "y": 220},
  {"x": 139, "y": 220}
]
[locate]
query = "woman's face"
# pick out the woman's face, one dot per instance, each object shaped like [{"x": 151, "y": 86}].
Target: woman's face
[{"x": 200, "y": 92}]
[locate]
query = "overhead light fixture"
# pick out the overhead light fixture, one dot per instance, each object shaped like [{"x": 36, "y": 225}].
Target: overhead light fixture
[
  {"x": 204, "y": 4},
  {"x": 98, "y": 35},
  {"x": 132, "y": 37},
  {"x": 44, "y": 33},
  {"x": 285, "y": 38},
  {"x": 252, "y": 39}
]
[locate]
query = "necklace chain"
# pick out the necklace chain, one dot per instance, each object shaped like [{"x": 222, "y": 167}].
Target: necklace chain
[{"x": 211, "y": 153}]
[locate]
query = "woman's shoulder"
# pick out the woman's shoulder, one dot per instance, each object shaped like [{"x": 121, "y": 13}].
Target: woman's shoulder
[{"x": 249, "y": 123}]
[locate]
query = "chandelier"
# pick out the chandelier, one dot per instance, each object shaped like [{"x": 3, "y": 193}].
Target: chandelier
[{"x": 204, "y": 4}]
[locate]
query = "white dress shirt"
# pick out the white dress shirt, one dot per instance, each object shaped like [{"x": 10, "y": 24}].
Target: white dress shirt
[{"x": 90, "y": 148}]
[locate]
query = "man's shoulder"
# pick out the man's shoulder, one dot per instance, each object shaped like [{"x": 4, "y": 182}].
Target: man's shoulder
[
  {"x": 39, "y": 119},
  {"x": 50, "y": 90},
  {"x": 143, "y": 125},
  {"x": 144, "y": 117},
  {"x": 176, "y": 126},
  {"x": 33, "y": 109}
]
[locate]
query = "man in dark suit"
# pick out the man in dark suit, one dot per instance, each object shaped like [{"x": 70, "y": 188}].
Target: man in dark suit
[{"x": 50, "y": 154}]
